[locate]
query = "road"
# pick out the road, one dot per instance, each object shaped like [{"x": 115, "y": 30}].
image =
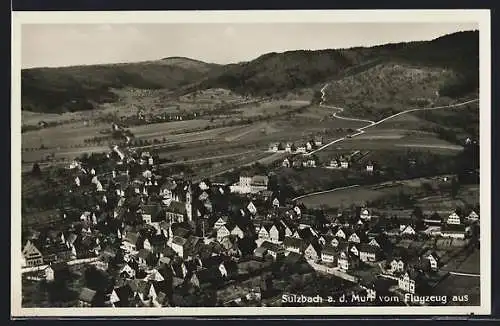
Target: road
[
  {"x": 464, "y": 274},
  {"x": 373, "y": 123}
]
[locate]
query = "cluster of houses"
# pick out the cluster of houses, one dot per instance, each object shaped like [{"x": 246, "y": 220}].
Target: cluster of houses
[
  {"x": 296, "y": 148},
  {"x": 156, "y": 235}
]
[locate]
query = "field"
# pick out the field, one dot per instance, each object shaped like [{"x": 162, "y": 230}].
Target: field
[
  {"x": 269, "y": 108},
  {"x": 457, "y": 285},
  {"x": 359, "y": 195}
]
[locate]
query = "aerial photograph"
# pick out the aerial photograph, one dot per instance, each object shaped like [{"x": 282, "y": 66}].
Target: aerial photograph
[{"x": 250, "y": 165}]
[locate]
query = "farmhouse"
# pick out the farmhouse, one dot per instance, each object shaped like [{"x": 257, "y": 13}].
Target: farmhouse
[{"x": 31, "y": 255}]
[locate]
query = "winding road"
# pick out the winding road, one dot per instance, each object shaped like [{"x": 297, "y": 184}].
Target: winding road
[{"x": 372, "y": 123}]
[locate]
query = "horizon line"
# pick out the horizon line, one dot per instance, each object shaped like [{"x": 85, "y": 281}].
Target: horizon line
[{"x": 238, "y": 62}]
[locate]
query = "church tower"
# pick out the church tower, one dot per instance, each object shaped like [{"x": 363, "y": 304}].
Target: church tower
[{"x": 189, "y": 207}]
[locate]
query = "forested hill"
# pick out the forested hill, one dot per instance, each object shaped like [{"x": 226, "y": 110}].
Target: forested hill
[
  {"x": 277, "y": 72},
  {"x": 77, "y": 88},
  {"x": 84, "y": 87}
]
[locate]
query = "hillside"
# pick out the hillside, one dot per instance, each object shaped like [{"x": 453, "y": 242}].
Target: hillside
[
  {"x": 56, "y": 90},
  {"x": 279, "y": 72},
  {"x": 449, "y": 63}
]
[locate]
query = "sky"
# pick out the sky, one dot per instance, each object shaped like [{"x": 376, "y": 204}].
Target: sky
[{"x": 56, "y": 45}]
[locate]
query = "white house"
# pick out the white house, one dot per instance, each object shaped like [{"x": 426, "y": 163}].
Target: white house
[
  {"x": 453, "y": 218},
  {"x": 263, "y": 233},
  {"x": 222, "y": 232},
  {"x": 340, "y": 234},
  {"x": 328, "y": 254},
  {"x": 251, "y": 208},
  {"x": 397, "y": 265},
  {"x": 237, "y": 231},
  {"x": 365, "y": 215},
  {"x": 354, "y": 238}
]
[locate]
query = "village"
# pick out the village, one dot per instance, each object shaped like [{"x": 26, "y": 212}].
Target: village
[{"x": 146, "y": 239}]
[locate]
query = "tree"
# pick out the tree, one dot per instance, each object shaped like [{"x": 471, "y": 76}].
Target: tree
[
  {"x": 455, "y": 186},
  {"x": 35, "y": 171}
]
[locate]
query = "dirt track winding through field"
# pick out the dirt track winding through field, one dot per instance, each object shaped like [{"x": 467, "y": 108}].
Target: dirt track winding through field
[{"x": 372, "y": 123}]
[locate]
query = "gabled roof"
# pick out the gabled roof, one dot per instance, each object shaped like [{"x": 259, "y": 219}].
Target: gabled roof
[
  {"x": 293, "y": 242},
  {"x": 132, "y": 237},
  {"x": 87, "y": 295},
  {"x": 364, "y": 247},
  {"x": 270, "y": 246},
  {"x": 179, "y": 241},
  {"x": 176, "y": 207},
  {"x": 329, "y": 250},
  {"x": 181, "y": 232}
]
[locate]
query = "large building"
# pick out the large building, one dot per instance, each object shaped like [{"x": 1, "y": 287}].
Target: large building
[{"x": 250, "y": 184}]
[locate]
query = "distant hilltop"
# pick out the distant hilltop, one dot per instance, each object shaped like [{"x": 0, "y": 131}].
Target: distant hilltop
[{"x": 78, "y": 88}]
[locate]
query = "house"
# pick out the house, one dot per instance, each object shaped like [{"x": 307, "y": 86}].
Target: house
[
  {"x": 301, "y": 149},
  {"x": 309, "y": 163},
  {"x": 369, "y": 167},
  {"x": 409, "y": 281},
  {"x": 340, "y": 234},
  {"x": 344, "y": 164},
  {"x": 49, "y": 274},
  {"x": 176, "y": 211},
  {"x": 87, "y": 298},
  {"x": 127, "y": 272},
  {"x": 131, "y": 242},
  {"x": 260, "y": 252},
  {"x": 347, "y": 261},
  {"x": 277, "y": 233},
  {"x": 31, "y": 255},
  {"x": 328, "y": 254},
  {"x": 334, "y": 164},
  {"x": 222, "y": 232},
  {"x": 237, "y": 231},
  {"x": 397, "y": 265},
  {"x": 250, "y": 184},
  {"x": 433, "y": 260},
  {"x": 455, "y": 231},
  {"x": 368, "y": 253},
  {"x": 312, "y": 252},
  {"x": 273, "y": 249},
  {"x": 293, "y": 244},
  {"x": 318, "y": 141},
  {"x": 251, "y": 208},
  {"x": 289, "y": 148},
  {"x": 274, "y": 147},
  {"x": 178, "y": 244},
  {"x": 365, "y": 215},
  {"x": 286, "y": 163},
  {"x": 473, "y": 216},
  {"x": 145, "y": 257},
  {"x": 407, "y": 230},
  {"x": 276, "y": 202},
  {"x": 354, "y": 238},
  {"x": 263, "y": 233},
  {"x": 453, "y": 218},
  {"x": 220, "y": 222},
  {"x": 309, "y": 146}
]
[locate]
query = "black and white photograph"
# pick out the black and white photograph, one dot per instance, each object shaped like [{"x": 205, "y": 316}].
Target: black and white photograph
[{"x": 251, "y": 163}]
